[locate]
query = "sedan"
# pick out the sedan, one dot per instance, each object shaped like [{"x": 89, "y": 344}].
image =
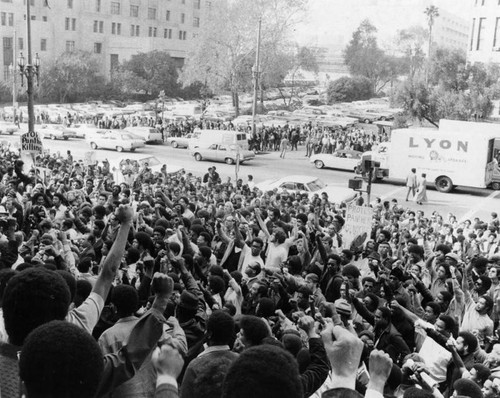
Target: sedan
[
  {"x": 56, "y": 132},
  {"x": 120, "y": 141},
  {"x": 223, "y": 153},
  {"x": 181, "y": 142},
  {"x": 343, "y": 160},
  {"x": 308, "y": 185},
  {"x": 82, "y": 130},
  {"x": 8, "y": 128}
]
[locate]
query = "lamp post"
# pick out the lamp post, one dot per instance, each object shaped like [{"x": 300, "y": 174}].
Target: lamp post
[
  {"x": 29, "y": 70},
  {"x": 256, "y": 73}
]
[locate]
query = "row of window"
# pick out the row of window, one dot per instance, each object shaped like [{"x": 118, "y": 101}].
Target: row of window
[
  {"x": 477, "y": 37},
  {"x": 483, "y": 2},
  {"x": 134, "y": 9},
  {"x": 6, "y": 18},
  {"x": 135, "y": 30},
  {"x": 8, "y": 43}
]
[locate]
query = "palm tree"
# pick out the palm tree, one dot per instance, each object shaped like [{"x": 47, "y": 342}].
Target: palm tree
[{"x": 432, "y": 13}]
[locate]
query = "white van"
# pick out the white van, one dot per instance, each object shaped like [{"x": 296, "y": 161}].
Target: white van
[
  {"x": 205, "y": 138},
  {"x": 191, "y": 110},
  {"x": 148, "y": 134}
]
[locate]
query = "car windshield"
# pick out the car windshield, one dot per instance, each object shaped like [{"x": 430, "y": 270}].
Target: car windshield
[
  {"x": 315, "y": 185},
  {"x": 129, "y": 137}
]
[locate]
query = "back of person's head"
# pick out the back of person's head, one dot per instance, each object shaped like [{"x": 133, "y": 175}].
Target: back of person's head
[
  {"x": 482, "y": 372},
  {"x": 83, "y": 289},
  {"x": 254, "y": 329},
  {"x": 84, "y": 264},
  {"x": 468, "y": 388},
  {"x": 5, "y": 275},
  {"x": 216, "y": 284},
  {"x": 33, "y": 297},
  {"x": 125, "y": 299},
  {"x": 220, "y": 328},
  {"x": 266, "y": 371},
  {"x": 469, "y": 340},
  {"x": 70, "y": 281},
  {"x": 60, "y": 359},
  {"x": 265, "y": 308}
]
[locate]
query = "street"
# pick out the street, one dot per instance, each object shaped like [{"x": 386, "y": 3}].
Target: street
[{"x": 463, "y": 202}]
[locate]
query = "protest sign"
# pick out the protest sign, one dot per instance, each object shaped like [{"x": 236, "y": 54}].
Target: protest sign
[{"x": 358, "y": 225}]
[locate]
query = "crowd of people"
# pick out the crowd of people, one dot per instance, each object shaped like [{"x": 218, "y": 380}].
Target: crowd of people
[{"x": 191, "y": 286}]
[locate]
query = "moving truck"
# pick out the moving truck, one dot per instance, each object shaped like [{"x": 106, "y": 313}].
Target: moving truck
[
  {"x": 205, "y": 138},
  {"x": 459, "y": 153}
]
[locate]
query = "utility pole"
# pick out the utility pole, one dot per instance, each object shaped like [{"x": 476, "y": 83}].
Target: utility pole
[
  {"x": 256, "y": 73},
  {"x": 14, "y": 80},
  {"x": 31, "y": 106}
]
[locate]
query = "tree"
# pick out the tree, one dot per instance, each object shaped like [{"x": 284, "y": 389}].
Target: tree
[
  {"x": 432, "y": 13},
  {"x": 449, "y": 69},
  {"x": 347, "y": 89},
  {"x": 151, "y": 73},
  {"x": 409, "y": 42},
  {"x": 363, "y": 57},
  {"x": 72, "y": 76},
  {"x": 414, "y": 96},
  {"x": 222, "y": 58}
]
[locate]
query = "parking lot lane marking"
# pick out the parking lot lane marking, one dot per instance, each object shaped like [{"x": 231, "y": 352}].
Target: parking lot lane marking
[{"x": 475, "y": 209}]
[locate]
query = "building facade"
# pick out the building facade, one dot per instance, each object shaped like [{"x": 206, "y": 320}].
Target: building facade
[
  {"x": 113, "y": 30},
  {"x": 484, "y": 33},
  {"x": 450, "y": 31}
]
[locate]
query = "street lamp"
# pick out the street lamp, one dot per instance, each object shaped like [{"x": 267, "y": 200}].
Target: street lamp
[{"x": 30, "y": 71}]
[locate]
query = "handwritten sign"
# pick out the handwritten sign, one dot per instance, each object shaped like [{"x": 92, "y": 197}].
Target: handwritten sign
[
  {"x": 358, "y": 225},
  {"x": 30, "y": 142}
]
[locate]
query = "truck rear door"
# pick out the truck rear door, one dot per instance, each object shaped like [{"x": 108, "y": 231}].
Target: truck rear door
[{"x": 492, "y": 172}]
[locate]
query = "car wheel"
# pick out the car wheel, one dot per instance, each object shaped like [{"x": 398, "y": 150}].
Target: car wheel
[
  {"x": 52, "y": 137},
  {"x": 132, "y": 149},
  {"x": 119, "y": 149},
  {"x": 496, "y": 186},
  {"x": 229, "y": 161},
  {"x": 174, "y": 144},
  {"x": 382, "y": 118},
  {"x": 319, "y": 164},
  {"x": 367, "y": 121},
  {"x": 444, "y": 184},
  {"x": 66, "y": 138},
  {"x": 197, "y": 157},
  {"x": 11, "y": 133},
  {"x": 93, "y": 145}
]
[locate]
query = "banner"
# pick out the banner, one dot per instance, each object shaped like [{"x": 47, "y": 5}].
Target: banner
[
  {"x": 358, "y": 225},
  {"x": 89, "y": 158},
  {"x": 30, "y": 142}
]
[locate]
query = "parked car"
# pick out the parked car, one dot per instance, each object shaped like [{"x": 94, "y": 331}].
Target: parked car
[
  {"x": 82, "y": 130},
  {"x": 149, "y": 134},
  {"x": 8, "y": 128},
  {"x": 342, "y": 159},
  {"x": 309, "y": 185},
  {"x": 114, "y": 139},
  {"x": 55, "y": 132},
  {"x": 223, "y": 153},
  {"x": 181, "y": 142},
  {"x": 361, "y": 115}
]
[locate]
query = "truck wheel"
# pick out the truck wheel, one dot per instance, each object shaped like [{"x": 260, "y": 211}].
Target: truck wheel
[
  {"x": 197, "y": 157},
  {"x": 495, "y": 186},
  {"x": 229, "y": 161},
  {"x": 319, "y": 164},
  {"x": 444, "y": 184}
]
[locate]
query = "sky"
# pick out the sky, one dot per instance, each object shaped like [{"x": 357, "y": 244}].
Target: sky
[{"x": 330, "y": 23}]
